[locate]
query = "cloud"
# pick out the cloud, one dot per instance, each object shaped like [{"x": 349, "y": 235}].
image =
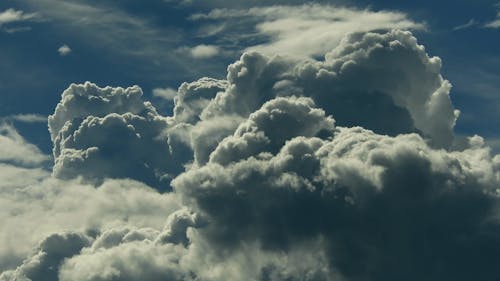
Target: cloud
[
  {"x": 495, "y": 23},
  {"x": 165, "y": 93},
  {"x": 52, "y": 251},
  {"x": 12, "y": 15},
  {"x": 398, "y": 79},
  {"x": 110, "y": 133},
  {"x": 374, "y": 200},
  {"x": 39, "y": 206},
  {"x": 292, "y": 168},
  {"x": 14, "y": 149},
  {"x": 470, "y": 23},
  {"x": 26, "y": 118},
  {"x": 302, "y": 30},
  {"x": 64, "y": 50},
  {"x": 192, "y": 98},
  {"x": 204, "y": 51}
]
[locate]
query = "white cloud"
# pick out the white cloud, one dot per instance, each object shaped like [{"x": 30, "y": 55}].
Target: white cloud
[
  {"x": 12, "y": 15},
  {"x": 26, "y": 118},
  {"x": 495, "y": 23},
  {"x": 381, "y": 75},
  {"x": 13, "y": 148},
  {"x": 201, "y": 51},
  {"x": 64, "y": 50},
  {"x": 165, "y": 93},
  {"x": 306, "y": 30},
  {"x": 470, "y": 23},
  {"x": 204, "y": 51},
  {"x": 283, "y": 183},
  {"x": 111, "y": 132}
]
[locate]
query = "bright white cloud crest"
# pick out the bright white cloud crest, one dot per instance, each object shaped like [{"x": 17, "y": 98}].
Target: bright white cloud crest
[{"x": 292, "y": 168}]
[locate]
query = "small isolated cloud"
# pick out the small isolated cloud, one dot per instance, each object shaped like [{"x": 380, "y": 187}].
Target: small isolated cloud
[
  {"x": 201, "y": 51},
  {"x": 12, "y": 15},
  {"x": 64, "y": 50},
  {"x": 470, "y": 23},
  {"x": 165, "y": 93}
]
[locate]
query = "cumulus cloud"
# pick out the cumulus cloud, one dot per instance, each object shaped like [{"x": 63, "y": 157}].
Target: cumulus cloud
[
  {"x": 384, "y": 82},
  {"x": 303, "y": 30},
  {"x": 375, "y": 201},
  {"x": 292, "y": 168},
  {"x": 110, "y": 132},
  {"x": 64, "y": 50}
]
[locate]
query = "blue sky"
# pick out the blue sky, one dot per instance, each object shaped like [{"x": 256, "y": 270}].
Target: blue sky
[{"x": 123, "y": 43}]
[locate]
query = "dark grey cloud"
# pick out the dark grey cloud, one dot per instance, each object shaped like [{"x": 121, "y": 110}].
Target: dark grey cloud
[{"x": 384, "y": 207}]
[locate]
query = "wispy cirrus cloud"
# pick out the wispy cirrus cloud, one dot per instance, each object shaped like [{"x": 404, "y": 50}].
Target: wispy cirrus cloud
[
  {"x": 308, "y": 30},
  {"x": 109, "y": 28},
  {"x": 470, "y": 23},
  {"x": 26, "y": 118}
]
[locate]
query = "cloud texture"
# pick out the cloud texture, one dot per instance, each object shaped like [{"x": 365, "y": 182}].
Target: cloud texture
[{"x": 292, "y": 168}]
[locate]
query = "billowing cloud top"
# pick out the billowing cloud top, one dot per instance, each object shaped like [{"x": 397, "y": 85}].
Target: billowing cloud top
[
  {"x": 292, "y": 168},
  {"x": 109, "y": 132}
]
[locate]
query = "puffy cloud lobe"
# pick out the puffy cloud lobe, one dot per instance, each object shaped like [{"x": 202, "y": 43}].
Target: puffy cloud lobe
[
  {"x": 176, "y": 227},
  {"x": 44, "y": 265},
  {"x": 193, "y": 97},
  {"x": 110, "y": 133},
  {"x": 130, "y": 261},
  {"x": 268, "y": 128},
  {"x": 191, "y": 135},
  {"x": 384, "y": 82}
]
